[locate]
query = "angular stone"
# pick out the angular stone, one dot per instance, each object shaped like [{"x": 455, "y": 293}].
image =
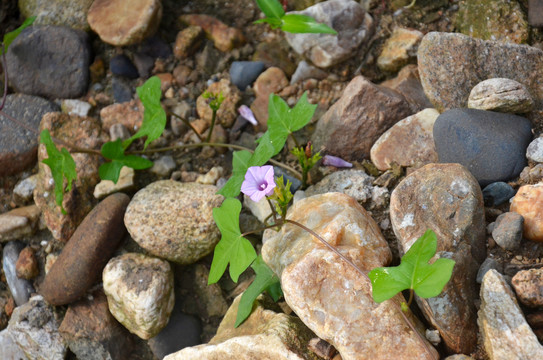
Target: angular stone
[
  {"x": 409, "y": 142},
  {"x": 24, "y": 190},
  {"x": 399, "y": 49},
  {"x": 82, "y": 260},
  {"x": 408, "y": 84},
  {"x": 488, "y": 264},
  {"x": 501, "y": 95},
  {"x": 270, "y": 81},
  {"x": 27, "y": 264},
  {"x": 505, "y": 332},
  {"x": 19, "y": 146},
  {"x": 50, "y": 61},
  {"x": 19, "y": 223},
  {"x": 188, "y": 41},
  {"x": 507, "y": 231},
  {"x": 347, "y": 17},
  {"x": 68, "y": 13},
  {"x": 528, "y": 202},
  {"x": 228, "y": 111},
  {"x": 119, "y": 24},
  {"x": 20, "y": 289},
  {"x": 497, "y": 193},
  {"x": 224, "y": 37},
  {"x": 528, "y": 285},
  {"x": 140, "y": 294},
  {"x": 447, "y": 199},
  {"x": 130, "y": 114},
  {"x": 365, "y": 110}
]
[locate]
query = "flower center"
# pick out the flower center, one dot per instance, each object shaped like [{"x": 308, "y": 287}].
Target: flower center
[{"x": 263, "y": 185}]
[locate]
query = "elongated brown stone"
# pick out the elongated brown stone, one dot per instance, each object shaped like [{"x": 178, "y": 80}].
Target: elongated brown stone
[{"x": 85, "y": 255}]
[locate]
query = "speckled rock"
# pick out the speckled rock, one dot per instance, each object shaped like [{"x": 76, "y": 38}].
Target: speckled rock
[
  {"x": 19, "y": 223},
  {"x": 528, "y": 285},
  {"x": 528, "y": 202},
  {"x": 351, "y": 22},
  {"x": 87, "y": 252},
  {"x": 365, "y": 111},
  {"x": 139, "y": 292},
  {"x": 188, "y": 41},
  {"x": 407, "y": 83},
  {"x": 339, "y": 309},
  {"x": 506, "y": 334},
  {"x": 534, "y": 152},
  {"x": 19, "y": 146},
  {"x": 84, "y": 132},
  {"x": 502, "y": 95},
  {"x": 120, "y": 25},
  {"x": 409, "y": 142},
  {"x": 270, "y": 81},
  {"x": 182, "y": 232},
  {"x": 228, "y": 112},
  {"x": 69, "y": 13},
  {"x": 224, "y": 37},
  {"x": 447, "y": 199},
  {"x": 27, "y": 264},
  {"x": 507, "y": 230},
  {"x": 399, "y": 49},
  {"x": 130, "y": 114}
]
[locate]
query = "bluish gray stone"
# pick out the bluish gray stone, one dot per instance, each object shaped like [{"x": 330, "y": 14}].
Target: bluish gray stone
[
  {"x": 21, "y": 289},
  {"x": 488, "y": 264},
  {"x": 507, "y": 230},
  {"x": 244, "y": 73},
  {"x": 296, "y": 183},
  {"x": 122, "y": 92},
  {"x": 491, "y": 145},
  {"x": 497, "y": 193},
  {"x": 122, "y": 66}
]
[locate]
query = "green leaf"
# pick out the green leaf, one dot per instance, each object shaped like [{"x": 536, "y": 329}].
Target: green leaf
[
  {"x": 273, "y": 22},
  {"x": 62, "y": 166},
  {"x": 154, "y": 116},
  {"x": 297, "y": 23},
  {"x": 10, "y": 36},
  {"x": 271, "y": 8},
  {"x": 232, "y": 248},
  {"x": 414, "y": 272},
  {"x": 240, "y": 164},
  {"x": 114, "y": 151},
  {"x": 265, "y": 279}
]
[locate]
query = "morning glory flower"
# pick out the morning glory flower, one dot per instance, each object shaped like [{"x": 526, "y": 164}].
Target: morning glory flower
[
  {"x": 259, "y": 182},
  {"x": 247, "y": 114},
  {"x": 335, "y": 161}
]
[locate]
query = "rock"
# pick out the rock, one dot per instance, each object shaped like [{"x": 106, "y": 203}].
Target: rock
[
  {"x": 10, "y": 349},
  {"x": 501, "y": 322},
  {"x": 399, "y": 49},
  {"x": 18, "y": 146},
  {"x": 528, "y": 202},
  {"x": 224, "y": 38},
  {"x": 535, "y": 150},
  {"x": 121, "y": 25},
  {"x": 50, "y": 61},
  {"x": 305, "y": 268},
  {"x": 407, "y": 83},
  {"x": 244, "y": 73},
  {"x": 497, "y": 193},
  {"x": 24, "y": 190},
  {"x": 228, "y": 111},
  {"x": 488, "y": 264},
  {"x": 160, "y": 230},
  {"x": 69, "y": 13},
  {"x": 269, "y": 82},
  {"x": 501, "y": 95},
  {"x": 166, "y": 81},
  {"x": 75, "y": 107},
  {"x": 91, "y": 332},
  {"x": 122, "y": 90},
  {"x": 266, "y": 334},
  {"x": 211, "y": 177},
  {"x": 532, "y": 175},
  {"x": 305, "y": 71},
  {"x": 26, "y": 266},
  {"x": 155, "y": 47},
  {"x": 122, "y": 66},
  {"x": 459, "y": 357},
  {"x": 528, "y": 285},
  {"x": 535, "y": 9},
  {"x": 84, "y": 132},
  {"x": 119, "y": 131},
  {"x": 507, "y": 231},
  {"x": 163, "y": 166},
  {"x": 87, "y": 252},
  {"x": 130, "y": 114},
  {"x": 188, "y": 41},
  {"x": 500, "y": 20},
  {"x": 423, "y": 200},
  {"x": 492, "y": 146},
  {"x": 210, "y": 60},
  {"x": 261, "y": 209},
  {"x": 34, "y": 327},
  {"x": 108, "y": 187},
  {"x": 365, "y": 111},
  {"x": 19, "y": 223},
  {"x": 20, "y": 289},
  {"x": 275, "y": 53},
  {"x": 209, "y": 296},
  {"x": 144, "y": 63},
  {"x": 409, "y": 142},
  {"x": 464, "y": 59},
  {"x": 139, "y": 291},
  {"x": 353, "y": 25}
]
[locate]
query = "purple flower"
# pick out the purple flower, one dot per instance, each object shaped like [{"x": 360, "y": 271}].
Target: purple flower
[
  {"x": 258, "y": 182},
  {"x": 247, "y": 113},
  {"x": 335, "y": 161}
]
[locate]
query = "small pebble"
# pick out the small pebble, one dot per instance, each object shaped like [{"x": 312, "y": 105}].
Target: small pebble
[
  {"x": 535, "y": 150},
  {"x": 528, "y": 285},
  {"x": 122, "y": 91},
  {"x": 497, "y": 193},
  {"x": 27, "y": 264},
  {"x": 122, "y": 66},
  {"x": 244, "y": 73},
  {"x": 488, "y": 264},
  {"x": 164, "y": 166},
  {"x": 118, "y": 131},
  {"x": 20, "y": 288},
  {"x": 507, "y": 230}
]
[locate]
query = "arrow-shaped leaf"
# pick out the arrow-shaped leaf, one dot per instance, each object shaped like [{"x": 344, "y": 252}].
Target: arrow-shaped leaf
[
  {"x": 271, "y": 8},
  {"x": 297, "y": 23}
]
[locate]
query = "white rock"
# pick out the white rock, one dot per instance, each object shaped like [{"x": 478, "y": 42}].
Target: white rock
[
  {"x": 25, "y": 188},
  {"x": 535, "y": 150},
  {"x": 502, "y": 95},
  {"x": 75, "y": 107}
]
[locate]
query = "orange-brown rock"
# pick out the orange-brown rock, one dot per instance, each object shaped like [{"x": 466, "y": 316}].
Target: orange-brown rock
[
  {"x": 270, "y": 81},
  {"x": 187, "y": 41},
  {"x": 27, "y": 264},
  {"x": 228, "y": 111},
  {"x": 528, "y": 202},
  {"x": 224, "y": 37},
  {"x": 130, "y": 114}
]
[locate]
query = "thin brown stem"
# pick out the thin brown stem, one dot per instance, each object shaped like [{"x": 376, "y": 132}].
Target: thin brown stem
[
  {"x": 411, "y": 292},
  {"x": 261, "y": 229},
  {"x": 186, "y": 122},
  {"x": 274, "y": 214}
]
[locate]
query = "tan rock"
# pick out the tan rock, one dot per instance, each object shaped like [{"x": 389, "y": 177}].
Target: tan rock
[
  {"x": 227, "y": 113},
  {"x": 269, "y": 82},
  {"x": 27, "y": 264},
  {"x": 409, "y": 142},
  {"x": 108, "y": 187},
  {"x": 187, "y": 41},
  {"x": 122, "y": 23},
  {"x": 528, "y": 202},
  {"x": 399, "y": 49},
  {"x": 502, "y": 95},
  {"x": 130, "y": 114},
  {"x": 18, "y": 223},
  {"x": 224, "y": 37},
  {"x": 528, "y": 285}
]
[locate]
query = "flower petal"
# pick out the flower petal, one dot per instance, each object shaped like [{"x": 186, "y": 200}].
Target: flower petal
[
  {"x": 247, "y": 114},
  {"x": 335, "y": 161}
]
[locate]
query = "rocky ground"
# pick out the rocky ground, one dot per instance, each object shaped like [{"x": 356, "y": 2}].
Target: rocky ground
[{"x": 438, "y": 107}]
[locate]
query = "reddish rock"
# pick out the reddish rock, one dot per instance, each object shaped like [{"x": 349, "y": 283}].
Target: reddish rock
[
  {"x": 528, "y": 202},
  {"x": 166, "y": 80},
  {"x": 269, "y": 82},
  {"x": 528, "y": 285},
  {"x": 84, "y": 257},
  {"x": 26, "y": 266},
  {"x": 224, "y": 37},
  {"x": 130, "y": 114},
  {"x": 188, "y": 41}
]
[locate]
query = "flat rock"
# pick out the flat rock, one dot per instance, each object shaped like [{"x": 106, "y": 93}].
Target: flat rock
[
  {"x": 506, "y": 334},
  {"x": 50, "y": 61},
  {"x": 228, "y": 111},
  {"x": 224, "y": 37},
  {"x": 399, "y": 49},
  {"x": 365, "y": 111},
  {"x": 447, "y": 199},
  {"x": 19, "y": 223},
  {"x": 139, "y": 291},
  {"x": 68, "y": 13},
  {"x": 182, "y": 232},
  {"x": 409, "y": 142},
  {"x": 108, "y": 187},
  {"x": 20, "y": 289},
  {"x": 528, "y": 202},
  {"x": 501, "y": 95},
  {"x": 10, "y": 349},
  {"x": 347, "y": 17},
  {"x": 528, "y": 285},
  {"x": 491, "y": 145},
  {"x": 82, "y": 260},
  {"x": 120, "y": 25},
  {"x": 19, "y": 146}
]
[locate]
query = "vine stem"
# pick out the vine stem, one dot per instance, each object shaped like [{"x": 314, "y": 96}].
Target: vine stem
[
  {"x": 186, "y": 122},
  {"x": 213, "y": 117}
]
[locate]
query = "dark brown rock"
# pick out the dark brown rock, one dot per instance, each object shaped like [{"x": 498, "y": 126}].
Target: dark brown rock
[
  {"x": 84, "y": 257},
  {"x": 26, "y": 266},
  {"x": 408, "y": 84}
]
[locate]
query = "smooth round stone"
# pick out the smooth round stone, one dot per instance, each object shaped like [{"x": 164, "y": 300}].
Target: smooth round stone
[
  {"x": 20, "y": 288},
  {"x": 122, "y": 92},
  {"x": 122, "y": 66},
  {"x": 491, "y": 145},
  {"x": 497, "y": 193},
  {"x": 244, "y": 73}
]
